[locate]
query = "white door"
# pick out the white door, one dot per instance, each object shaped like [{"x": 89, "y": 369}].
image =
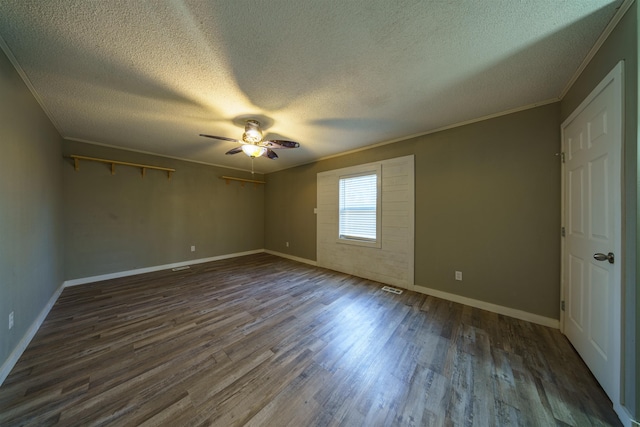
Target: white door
[{"x": 591, "y": 266}]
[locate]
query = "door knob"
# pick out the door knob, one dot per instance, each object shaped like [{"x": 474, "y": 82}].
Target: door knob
[{"x": 602, "y": 257}]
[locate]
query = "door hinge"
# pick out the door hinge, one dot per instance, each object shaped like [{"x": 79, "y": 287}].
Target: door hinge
[
  {"x": 562, "y": 156},
  {"x": 562, "y": 305},
  {"x": 563, "y": 232}
]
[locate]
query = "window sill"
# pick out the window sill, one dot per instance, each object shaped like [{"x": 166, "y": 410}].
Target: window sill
[{"x": 355, "y": 242}]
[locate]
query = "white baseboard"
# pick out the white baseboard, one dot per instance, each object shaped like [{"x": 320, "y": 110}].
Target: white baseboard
[
  {"x": 92, "y": 279},
  {"x": 624, "y": 416},
  {"x": 494, "y": 308},
  {"x": 292, "y": 258},
  {"x": 13, "y": 358}
]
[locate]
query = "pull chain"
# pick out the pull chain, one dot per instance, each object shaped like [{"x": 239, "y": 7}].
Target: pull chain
[{"x": 252, "y": 166}]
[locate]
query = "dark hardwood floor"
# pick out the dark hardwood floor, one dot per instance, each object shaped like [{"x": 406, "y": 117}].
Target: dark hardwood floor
[{"x": 265, "y": 341}]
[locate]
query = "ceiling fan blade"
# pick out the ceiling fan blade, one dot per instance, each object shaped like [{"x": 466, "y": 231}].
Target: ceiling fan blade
[
  {"x": 279, "y": 143},
  {"x": 223, "y": 138},
  {"x": 234, "y": 150},
  {"x": 270, "y": 154}
]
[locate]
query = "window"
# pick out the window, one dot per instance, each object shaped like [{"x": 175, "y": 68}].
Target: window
[
  {"x": 390, "y": 258},
  {"x": 359, "y": 203}
]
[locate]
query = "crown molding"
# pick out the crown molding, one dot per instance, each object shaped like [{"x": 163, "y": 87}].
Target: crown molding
[
  {"x": 622, "y": 9},
  {"x": 416, "y": 135},
  {"x": 7, "y": 51}
]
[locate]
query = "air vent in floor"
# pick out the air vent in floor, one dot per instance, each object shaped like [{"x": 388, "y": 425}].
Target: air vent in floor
[
  {"x": 392, "y": 290},
  {"x": 186, "y": 267}
]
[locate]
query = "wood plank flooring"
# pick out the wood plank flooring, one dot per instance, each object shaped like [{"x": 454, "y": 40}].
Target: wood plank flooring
[{"x": 264, "y": 341}]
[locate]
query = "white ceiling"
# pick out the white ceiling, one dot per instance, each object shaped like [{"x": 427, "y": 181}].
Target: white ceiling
[{"x": 334, "y": 75}]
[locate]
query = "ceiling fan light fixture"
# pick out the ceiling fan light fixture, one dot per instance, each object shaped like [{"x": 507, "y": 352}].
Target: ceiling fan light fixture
[
  {"x": 252, "y": 133},
  {"x": 253, "y": 150},
  {"x": 252, "y": 143}
]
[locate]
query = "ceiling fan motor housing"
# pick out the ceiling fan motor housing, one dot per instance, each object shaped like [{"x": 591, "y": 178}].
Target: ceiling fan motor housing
[{"x": 252, "y": 133}]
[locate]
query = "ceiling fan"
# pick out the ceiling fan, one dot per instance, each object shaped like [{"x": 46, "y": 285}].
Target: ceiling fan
[{"x": 252, "y": 143}]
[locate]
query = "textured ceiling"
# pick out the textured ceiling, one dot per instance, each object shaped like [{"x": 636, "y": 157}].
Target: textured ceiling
[{"x": 334, "y": 75}]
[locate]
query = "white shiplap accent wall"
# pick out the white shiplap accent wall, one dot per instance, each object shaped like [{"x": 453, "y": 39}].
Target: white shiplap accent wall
[{"x": 393, "y": 262}]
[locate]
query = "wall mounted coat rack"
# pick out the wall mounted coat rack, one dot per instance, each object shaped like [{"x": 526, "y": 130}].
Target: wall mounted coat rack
[
  {"x": 241, "y": 180},
  {"x": 113, "y": 163}
]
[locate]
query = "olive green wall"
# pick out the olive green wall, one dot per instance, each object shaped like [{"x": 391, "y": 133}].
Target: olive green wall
[
  {"x": 622, "y": 44},
  {"x": 122, "y": 222},
  {"x": 487, "y": 204},
  {"x": 30, "y": 210}
]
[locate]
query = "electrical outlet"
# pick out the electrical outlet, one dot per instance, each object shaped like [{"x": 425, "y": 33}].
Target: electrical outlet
[
  {"x": 11, "y": 320},
  {"x": 458, "y": 275},
  {"x": 193, "y": 248},
  {"x": 287, "y": 244}
]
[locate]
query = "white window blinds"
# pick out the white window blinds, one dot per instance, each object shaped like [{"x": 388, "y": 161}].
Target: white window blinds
[{"x": 358, "y": 207}]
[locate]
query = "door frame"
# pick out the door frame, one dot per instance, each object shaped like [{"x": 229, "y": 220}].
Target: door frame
[{"x": 615, "y": 77}]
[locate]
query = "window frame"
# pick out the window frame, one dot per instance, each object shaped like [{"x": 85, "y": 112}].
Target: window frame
[{"x": 375, "y": 169}]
